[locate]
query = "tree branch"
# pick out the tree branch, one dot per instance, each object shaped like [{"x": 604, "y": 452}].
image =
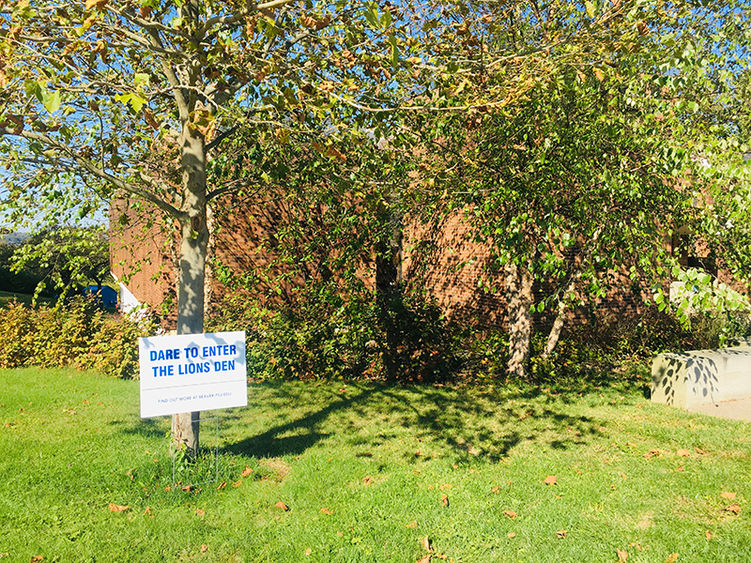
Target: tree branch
[{"x": 97, "y": 171}]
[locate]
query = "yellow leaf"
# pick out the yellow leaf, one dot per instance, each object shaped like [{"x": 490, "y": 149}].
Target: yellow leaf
[
  {"x": 551, "y": 480},
  {"x": 412, "y": 524},
  {"x": 98, "y": 4},
  {"x": 683, "y": 453},
  {"x": 510, "y": 513},
  {"x": 117, "y": 507},
  {"x": 622, "y": 555},
  {"x": 728, "y": 495},
  {"x": 247, "y": 471},
  {"x": 672, "y": 558},
  {"x": 283, "y": 506},
  {"x": 561, "y": 534}
]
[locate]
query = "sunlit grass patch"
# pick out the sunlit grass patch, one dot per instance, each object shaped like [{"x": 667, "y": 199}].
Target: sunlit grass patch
[{"x": 367, "y": 472}]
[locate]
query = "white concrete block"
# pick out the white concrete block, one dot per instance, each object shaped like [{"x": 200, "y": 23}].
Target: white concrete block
[{"x": 702, "y": 377}]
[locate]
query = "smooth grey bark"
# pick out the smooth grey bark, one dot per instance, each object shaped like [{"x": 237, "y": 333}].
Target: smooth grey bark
[
  {"x": 518, "y": 288},
  {"x": 194, "y": 238}
]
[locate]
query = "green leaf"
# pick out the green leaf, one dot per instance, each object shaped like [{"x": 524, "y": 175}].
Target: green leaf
[
  {"x": 371, "y": 15},
  {"x": 141, "y": 79},
  {"x": 33, "y": 89},
  {"x": 590, "y": 7},
  {"x": 394, "y": 49},
  {"x": 51, "y": 100},
  {"x": 386, "y": 19},
  {"x": 134, "y": 100}
]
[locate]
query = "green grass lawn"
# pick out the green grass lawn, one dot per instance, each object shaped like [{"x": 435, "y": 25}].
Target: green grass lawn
[{"x": 367, "y": 472}]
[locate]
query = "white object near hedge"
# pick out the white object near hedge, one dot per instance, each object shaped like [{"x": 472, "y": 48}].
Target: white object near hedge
[{"x": 700, "y": 377}]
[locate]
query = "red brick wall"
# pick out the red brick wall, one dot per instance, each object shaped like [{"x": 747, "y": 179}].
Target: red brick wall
[{"x": 449, "y": 266}]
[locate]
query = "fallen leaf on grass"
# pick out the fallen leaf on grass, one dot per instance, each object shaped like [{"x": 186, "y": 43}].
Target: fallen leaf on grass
[
  {"x": 551, "y": 480},
  {"x": 734, "y": 508},
  {"x": 187, "y": 488},
  {"x": 511, "y": 535},
  {"x": 167, "y": 489},
  {"x": 445, "y": 500},
  {"x": 117, "y": 507},
  {"x": 367, "y": 480},
  {"x": 637, "y": 545},
  {"x": 728, "y": 495},
  {"x": 652, "y": 453},
  {"x": 700, "y": 451},
  {"x": 672, "y": 558},
  {"x": 221, "y": 486},
  {"x": 496, "y": 489},
  {"x": 204, "y": 548},
  {"x": 200, "y": 512},
  {"x": 308, "y": 551},
  {"x": 412, "y": 524},
  {"x": 683, "y": 453},
  {"x": 36, "y": 558},
  {"x": 510, "y": 513},
  {"x": 426, "y": 545},
  {"x": 709, "y": 535},
  {"x": 622, "y": 555},
  {"x": 247, "y": 471},
  {"x": 237, "y": 483},
  {"x": 425, "y": 558},
  {"x": 283, "y": 506},
  {"x": 147, "y": 512},
  {"x": 328, "y": 511},
  {"x": 561, "y": 534},
  {"x": 445, "y": 486}
]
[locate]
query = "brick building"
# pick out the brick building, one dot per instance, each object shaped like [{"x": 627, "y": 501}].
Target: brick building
[{"x": 143, "y": 262}]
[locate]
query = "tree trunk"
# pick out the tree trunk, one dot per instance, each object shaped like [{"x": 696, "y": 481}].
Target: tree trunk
[
  {"x": 518, "y": 282},
  {"x": 194, "y": 236},
  {"x": 388, "y": 290},
  {"x": 555, "y": 331}
]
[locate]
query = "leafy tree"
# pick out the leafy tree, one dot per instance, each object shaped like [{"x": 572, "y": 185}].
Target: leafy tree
[
  {"x": 65, "y": 258},
  {"x": 134, "y": 99},
  {"x": 576, "y": 163}
]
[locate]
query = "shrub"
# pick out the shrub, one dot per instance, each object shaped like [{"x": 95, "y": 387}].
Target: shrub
[
  {"x": 327, "y": 336},
  {"x": 76, "y": 333}
]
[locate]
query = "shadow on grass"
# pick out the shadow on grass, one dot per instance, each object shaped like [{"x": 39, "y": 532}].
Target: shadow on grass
[{"x": 464, "y": 423}]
